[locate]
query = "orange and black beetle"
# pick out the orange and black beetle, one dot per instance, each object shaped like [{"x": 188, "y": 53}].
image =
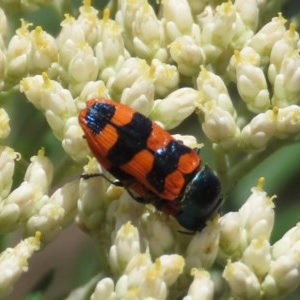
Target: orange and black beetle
[{"x": 146, "y": 159}]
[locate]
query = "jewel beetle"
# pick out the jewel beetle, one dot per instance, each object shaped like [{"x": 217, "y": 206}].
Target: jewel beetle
[{"x": 148, "y": 161}]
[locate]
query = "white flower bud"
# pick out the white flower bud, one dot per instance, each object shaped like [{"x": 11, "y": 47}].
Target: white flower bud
[
  {"x": 91, "y": 203},
  {"x": 126, "y": 17},
  {"x": 233, "y": 237},
  {"x": 286, "y": 83},
  {"x": 187, "y": 54},
  {"x": 7, "y": 167},
  {"x": 73, "y": 142},
  {"x": 253, "y": 88},
  {"x": 219, "y": 126},
  {"x": 140, "y": 95},
  {"x": 283, "y": 276},
  {"x": 202, "y": 287},
  {"x": 56, "y": 212},
  {"x": 2, "y": 68},
  {"x": 242, "y": 281},
  {"x": 148, "y": 34},
  {"x": 124, "y": 248},
  {"x": 144, "y": 278},
  {"x": 132, "y": 69},
  {"x": 176, "y": 107},
  {"x": 257, "y": 257},
  {"x": 288, "y": 121},
  {"x": 9, "y": 217},
  {"x": 203, "y": 247},
  {"x": 32, "y": 88},
  {"x": 43, "y": 52},
  {"x": 82, "y": 68},
  {"x": 18, "y": 52},
  {"x": 218, "y": 32},
  {"x": 14, "y": 261},
  {"x": 49, "y": 96},
  {"x": 248, "y": 12},
  {"x": 213, "y": 88},
  {"x": 92, "y": 90},
  {"x": 149, "y": 288},
  {"x": 3, "y": 27},
  {"x": 33, "y": 51},
  {"x": 263, "y": 41},
  {"x": 55, "y": 123},
  {"x": 150, "y": 280},
  {"x": 178, "y": 18},
  {"x": 287, "y": 243},
  {"x": 28, "y": 197},
  {"x": 166, "y": 77},
  {"x": 247, "y": 55},
  {"x": 89, "y": 23},
  {"x": 104, "y": 290},
  {"x": 160, "y": 237},
  {"x": 282, "y": 48},
  {"x": 261, "y": 223},
  {"x": 139, "y": 262},
  {"x": 124, "y": 210},
  {"x": 256, "y": 135},
  {"x": 169, "y": 267},
  {"x": 40, "y": 171},
  {"x": 244, "y": 31},
  {"x": 71, "y": 35},
  {"x": 4, "y": 124},
  {"x": 110, "y": 50}
]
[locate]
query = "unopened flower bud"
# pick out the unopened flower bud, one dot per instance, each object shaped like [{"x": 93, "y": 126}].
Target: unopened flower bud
[
  {"x": 256, "y": 135},
  {"x": 4, "y": 124},
  {"x": 263, "y": 41},
  {"x": 286, "y": 82},
  {"x": 7, "y": 167},
  {"x": 282, "y": 48},
  {"x": 40, "y": 171},
  {"x": 104, "y": 290},
  {"x": 166, "y": 77},
  {"x": 283, "y": 276},
  {"x": 202, "y": 286},
  {"x": 261, "y": 223},
  {"x": 179, "y": 19},
  {"x": 148, "y": 34},
  {"x": 257, "y": 256},
  {"x": 126, "y": 246},
  {"x": 177, "y": 106},
  {"x": 203, "y": 248},
  {"x": 14, "y": 261},
  {"x": 140, "y": 95},
  {"x": 187, "y": 54},
  {"x": 242, "y": 281},
  {"x": 220, "y": 126}
]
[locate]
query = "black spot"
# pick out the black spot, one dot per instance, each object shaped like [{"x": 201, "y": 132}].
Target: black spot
[
  {"x": 165, "y": 162},
  {"x": 98, "y": 116},
  {"x": 132, "y": 138}
]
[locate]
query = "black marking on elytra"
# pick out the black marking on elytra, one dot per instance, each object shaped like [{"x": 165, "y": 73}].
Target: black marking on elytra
[
  {"x": 165, "y": 162},
  {"x": 98, "y": 116},
  {"x": 132, "y": 138},
  {"x": 120, "y": 174}
]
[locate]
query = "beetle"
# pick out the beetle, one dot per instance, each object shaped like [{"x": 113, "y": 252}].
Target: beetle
[{"x": 148, "y": 161}]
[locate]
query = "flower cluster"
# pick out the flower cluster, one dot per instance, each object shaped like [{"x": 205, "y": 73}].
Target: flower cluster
[{"x": 219, "y": 59}]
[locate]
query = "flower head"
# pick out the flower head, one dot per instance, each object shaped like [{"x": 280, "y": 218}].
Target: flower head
[{"x": 225, "y": 71}]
